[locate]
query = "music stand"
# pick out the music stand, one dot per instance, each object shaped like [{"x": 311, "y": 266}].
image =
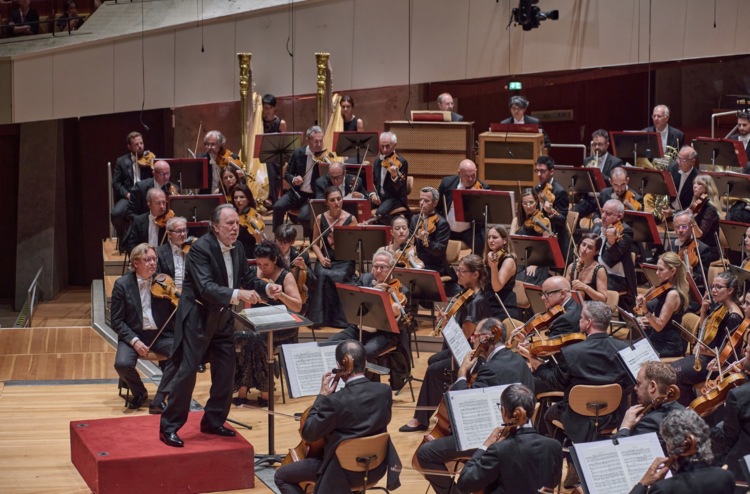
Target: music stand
[
  {"x": 644, "y": 227},
  {"x": 424, "y": 285},
  {"x": 737, "y": 184},
  {"x": 726, "y": 153},
  {"x": 742, "y": 275},
  {"x": 487, "y": 206},
  {"x": 359, "y": 242},
  {"x": 534, "y": 294},
  {"x": 637, "y": 145},
  {"x": 366, "y": 306},
  {"x": 538, "y": 251},
  {"x": 576, "y": 177},
  {"x": 276, "y": 148},
  {"x": 191, "y": 173},
  {"x": 734, "y": 232},
  {"x": 359, "y": 208},
  {"x": 353, "y": 144},
  {"x": 651, "y": 181},
  {"x": 650, "y": 271},
  {"x": 632, "y": 323},
  {"x": 197, "y": 209}
]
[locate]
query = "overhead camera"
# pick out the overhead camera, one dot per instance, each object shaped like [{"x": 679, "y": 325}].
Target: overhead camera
[{"x": 529, "y": 15}]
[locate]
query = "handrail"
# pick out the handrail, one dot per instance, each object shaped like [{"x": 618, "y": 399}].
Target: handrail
[
  {"x": 572, "y": 146},
  {"x": 722, "y": 114},
  {"x": 31, "y": 295},
  {"x": 47, "y": 21}
]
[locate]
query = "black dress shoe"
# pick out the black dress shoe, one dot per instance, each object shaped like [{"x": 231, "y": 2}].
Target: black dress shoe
[
  {"x": 137, "y": 401},
  {"x": 219, "y": 431},
  {"x": 201, "y": 368},
  {"x": 171, "y": 439},
  {"x": 262, "y": 402},
  {"x": 157, "y": 409},
  {"x": 406, "y": 428}
]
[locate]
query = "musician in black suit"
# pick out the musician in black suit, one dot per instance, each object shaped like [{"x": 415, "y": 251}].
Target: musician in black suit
[
  {"x": 693, "y": 473},
  {"x": 497, "y": 365},
  {"x": 301, "y": 173},
  {"x": 556, "y": 291},
  {"x": 743, "y": 134},
  {"x": 432, "y": 252},
  {"x": 523, "y": 462},
  {"x": 216, "y": 278},
  {"x": 465, "y": 179},
  {"x": 683, "y": 173},
  {"x": 651, "y": 383},
  {"x": 361, "y": 409},
  {"x": 337, "y": 177},
  {"x": 557, "y": 210},
  {"x": 171, "y": 257},
  {"x": 669, "y": 135},
  {"x": 126, "y": 174},
  {"x": 615, "y": 254},
  {"x": 214, "y": 142},
  {"x": 144, "y": 228},
  {"x": 389, "y": 179},
  {"x": 602, "y": 158},
  {"x": 683, "y": 222},
  {"x": 445, "y": 103},
  {"x": 137, "y": 203},
  {"x": 619, "y": 180},
  {"x": 137, "y": 317},
  {"x": 517, "y": 106}
]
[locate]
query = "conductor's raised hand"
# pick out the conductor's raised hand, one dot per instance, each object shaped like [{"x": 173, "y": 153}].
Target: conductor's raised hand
[{"x": 274, "y": 290}]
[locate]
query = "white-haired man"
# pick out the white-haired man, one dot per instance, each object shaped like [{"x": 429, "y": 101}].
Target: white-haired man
[
  {"x": 214, "y": 142},
  {"x": 669, "y": 135},
  {"x": 389, "y": 176}
]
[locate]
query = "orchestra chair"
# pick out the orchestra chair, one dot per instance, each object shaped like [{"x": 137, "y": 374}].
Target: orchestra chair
[
  {"x": 402, "y": 209},
  {"x": 596, "y": 401},
  {"x": 521, "y": 299},
  {"x": 544, "y": 401},
  {"x": 586, "y": 223},
  {"x": 715, "y": 268},
  {"x": 362, "y": 455},
  {"x": 690, "y": 322},
  {"x": 613, "y": 298},
  {"x": 453, "y": 254},
  {"x": 514, "y": 226}
]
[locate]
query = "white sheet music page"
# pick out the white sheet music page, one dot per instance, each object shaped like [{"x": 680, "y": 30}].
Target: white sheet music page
[
  {"x": 271, "y": 314},
  {"x": 475, "y": 414},
  {"x": 329, "y": 363},
  {"x": 456, "y": 341},
  {"x": 304, "y": 362},
  {"x": 634, "y": 359}
]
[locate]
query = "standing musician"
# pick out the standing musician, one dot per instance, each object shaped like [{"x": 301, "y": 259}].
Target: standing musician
[
  {"x": 600, "y": 157},
  {"x": 272, "y": 124},
  {"x": 216, "y": 277},
  {"x": 587, "y": 275},
  {"x": 690, "y": 458},
  {"x": 361, "y": 409},
  {"x": 651, "y": 383},
  {"x": 250, "y": 219},
  {"x": 717, "y": 324},
  {"x": 466, "y": 179},
  {"x": 432, "y": 238},
  {"x": 615, "y": 253},
  {"x": 619, "y": 190},
  {"x": 500, "y": 263},
  {"x": 532, "y": 223},
  {"x": 301, "y": 173},
  {"x": 706, "y": 207},
  {"x": 137, "y": 204},
  {"x": 337, "y": 177},
  {"x": 662, "y": 311},
  {"x": 389, "y": 176},
  {"x": 471, "y": 276},
  {"x": 743, "y": 132},
  {"x": 214, "y": 143},
  {"x": 669, "y": 135},
  {"x": 145, "y": 228},
  {"x": 171, "y": 256},
  {"x": 497, "y": 365},
  {"x": 517, "y": 106},
  {"x": 126, "y": 174},
  {"x": 137, "y": 317},
  {"x": 553, "y": 201},
  {"x": 524, "y": 461},
  {"x": 286, "y": 235},
  {"x": 684, "y": 221},
  {"x": 352, "y": 123},
  {"x": 683, "y": 173}
]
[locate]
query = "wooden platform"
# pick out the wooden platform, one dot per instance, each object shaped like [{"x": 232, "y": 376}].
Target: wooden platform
[{"x": 71, "y": 307}]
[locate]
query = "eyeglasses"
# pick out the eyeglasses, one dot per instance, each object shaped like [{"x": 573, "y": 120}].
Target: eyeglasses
[
  {"x": 180, "y": 232},
  {"x": 529, "y": 203},
  {"x": 684, "y": 160},
  {"x": 462, "y": 271},
  {"x": 148, "y": 260},
  {"x": 337, "y": 177},
  {"x": 547, "y": 294},
  {"x": 717, "y": 287},
  {"x": 540, "y": 170},
  {"x": 681, "y": 228},
  {"x": 163, "y": 174},
  {"x": 380, "y": 267}
]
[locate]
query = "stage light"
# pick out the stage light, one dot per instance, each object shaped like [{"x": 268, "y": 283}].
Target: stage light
[{"x": 528, "y": 15}]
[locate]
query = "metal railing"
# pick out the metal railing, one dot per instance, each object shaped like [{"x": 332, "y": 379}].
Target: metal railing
[
  {"x": 722, "y": 114},
  {"x": 27, "y": 313},
  {"x": 583, "y": 146},
  {"x": 54, "y": 22}
]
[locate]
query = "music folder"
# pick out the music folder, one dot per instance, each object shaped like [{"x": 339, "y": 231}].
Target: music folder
[
  {"x": 734, "y": 232},
  {"x": 644, "y": 227},
  {"x": 515, "y": 128},
  {"x": 577, "y": 181},
  {"x": 538, "y": 251},
  {"x": 430, "y": 116}
]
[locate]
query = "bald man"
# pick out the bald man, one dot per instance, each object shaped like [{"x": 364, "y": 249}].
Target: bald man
[
  {"x": 445, "y": 103},
  {"x": 466, "y": 178},
  {"x": 619, "y": 180},
  {"x": 137, "y": 203},
  {"x": 338, "y": 177},
  {"x": 556, "y": 291}
]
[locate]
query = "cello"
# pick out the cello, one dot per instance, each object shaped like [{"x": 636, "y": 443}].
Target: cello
[{"x": 672, "y": 394}]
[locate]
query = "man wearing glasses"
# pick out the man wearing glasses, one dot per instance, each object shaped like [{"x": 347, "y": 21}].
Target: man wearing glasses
[
  {"x": 466, "y": 179},
  {"x": 137, "y": 318},
  {"x": 557, "y": 210},
  {"x": 615, "y": 253},
  {"x": 683, "y": 227},
  {"x": 338, "y": 177},
  {"x": 137, "y": 203},
  {"x": 683, "y": 173},
  {"x": 171, "y": 257},
  {"x": 556, "y": 291}
]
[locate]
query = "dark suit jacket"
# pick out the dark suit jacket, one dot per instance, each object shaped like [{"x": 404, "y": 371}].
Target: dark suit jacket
[
  {"x": 521, "y": 464},
  {"x": 361, "y": 409},
  {"x": 731, "y": 438},
  {"x": 531, "y": 120},
  {"x": 559, "y": 222},
  {"x": 694, "y": 477},
  {"x": 298, "y": 167},
  {"x": 620, "y": 252},
  {"x": 433, "y": 256},
  {"x": 590, "y": 362},
  {"x": 127, "y": 312},
  {"x": 587, "y": 205},
  {"x": 392, "y": 189},
  {"x": 368, "y": 280},
  {"x": 446, "y": 188},
  {"x": 736, "y": 137},
  {"x": 455, "y": 117},
  {"x": 675, "y": 137},
  {"x": 322, "y": 183},
  {"x": 505, "y": 367},
  {"x": 211, "y": 171},
  {"x": 137, "y": 204},
  {"x": 570, "y": 322},
  {"x": 122, "y": 180},
  {"x": 650, "y": 423},
  {"x": 610, "y": 164},
  {"x": 165, "y": 261},
  {"x": 138, "y": 233},
  {"x": 686, "y": 196}
]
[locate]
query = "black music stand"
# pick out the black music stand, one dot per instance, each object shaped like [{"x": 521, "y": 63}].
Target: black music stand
[
  {"x": 486, "y": 206},
  {"x": 197, "y": 209},
  {"x": 644, "y": 227},
  {"x": 720, "y": 152},
  {"x": 190, "y": 173},
  {"x": 576, "y": 177},
  {"x": 633, "y": 324},
  {"x": 360, "y": 242},
  {"x": 538, "y": 251},
  {"x": 636, "y": 145},
  {"x": 424, "y": 286},
  {"x": 734, "y": 232},
  {"x": 353, "y": 144},
  {"x": 366, "y": 306},
  {"x": 646, "y": 181},
  {"x": 736, "y": 184},
  {"x": 277, "y": 148},
  {"x": 650, "y": 271},
  {"x": 741, "y": 274}
]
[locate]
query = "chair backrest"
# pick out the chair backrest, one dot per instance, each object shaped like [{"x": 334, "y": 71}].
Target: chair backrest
[
  {"x": 409, "y": 184},
  {"x": 510, "y": 325},
  {"x": 573, "y": 220},
  {"x": 349, "y": 450},
  {"x": 613, "y": 298},
  {"x": 712, "y": 272},
  {"x": 453, "y": 251},
  {"x": 521, "y": 299},
  {"x": 581, "y": 396},
  {"x": 690, "y": 322}
]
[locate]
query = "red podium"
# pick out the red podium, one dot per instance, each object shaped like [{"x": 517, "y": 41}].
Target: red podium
[{"x": 124, "y": 455}]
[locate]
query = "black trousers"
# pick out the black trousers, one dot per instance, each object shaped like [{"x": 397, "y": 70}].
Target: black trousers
[
  {"x": 219, "y": 347},
  {"x": 118, "y": 217},
  {"x": 288, "y": 477},
  {"x": 433, "y": 455},
  {"x": 467, "y": 237},
  {"x": 126, "y": 359},
  {"x": 290, "y": 201},
  {"x": 373, "y": 342},
  {"x": 388, "y": 205},
  {"x": 620, "y": 284},
  {"x": 436, "y": 379}
]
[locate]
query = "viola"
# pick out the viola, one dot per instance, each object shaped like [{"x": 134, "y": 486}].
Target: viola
[
  {"x": 172, "y": 191},
  {"x": 428, "y": 225},
  {"x": 688, "y": 449},
  {"x": 161, "y": 221},
  {"x": 188, "y": 243},
  {"x": 629, "y": 201},
  {"x": 734, "y": 342},
  {"x": 691, "y": 252},
  {"x": 410, "y": 259},
  {"x": 510, "y": 428},
  {"x": 477, "y": 186},
  {"x": 393, "y": 160},
  {"x": 673, "y": 394},
  {"x": 321, "y": 158},
  {"x": 545, "y": 348},
  {"x": 455, "y": 304},
  {"x": 163, "y": 286},
  {"x": 395, "y": 290},
  {"x": 537, "y": 323},
  {"x": 697, "y": 205},
  {"x": 539, "y": 223},
  {"x": 618, "y": 229},
  {"x": 252, "y": 222},
  {"x": 147, "y": 160},
  {"x": 704, "y": 405},
  {"x": 301, "y": 276},
  {"x": 498, "y": 256},
  {"x": 225, "y": 158},
  {"x": 652, "y": 293}
]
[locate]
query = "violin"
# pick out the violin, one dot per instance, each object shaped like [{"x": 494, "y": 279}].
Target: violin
[
  {"x": 371, "y": 220},
  {"x": 673, "y": 394},
  {"x": 546, "y": 194},
  {"x": 188, "y": 243},
  {"x": 537, "y": 323},
  {"x": 510, "y": 428},
  {"x": 172, "y": 191},
  {"x": 618, "y": 229},
  {"x": 539, "y": 223},
  {"x": 697, "y": 205},
  {"x": 147, "y": 160},
  {"x": 428, "y": 225},
  {"x": 393, "y": 160},
  {"x": 629, "y": 201},
  {"x": 412, "y": 261},
  {"x": 691, "y": 252},
  {"x": 163, "y": 286},
  {"x": 498, "y": 256},
  {"x": 716, "y": 393},
  {"x": 652, "y": 293},
  {"x": 251, "y": 222},
  {"x": 225, "y": 158},
  {"x": 708, "y": 331},
  {"x": 395, "y": 290},
  {"x": 301, "y": 276},
  {"x": 161, "y": 221},
  {"x": 734, "y": 342},
  {"x": 455, "y": 304},
  {"x": 545, "y": 348},
  {"x": 321, "y": 158}
]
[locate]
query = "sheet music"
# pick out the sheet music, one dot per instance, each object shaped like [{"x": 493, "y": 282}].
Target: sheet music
[
  {"x": 306, "y": 363},
  {"x": 475, "y": 414},
  {"x": 456, "y": 341},
  {"x": 272, "y": 314},
  {"x": 636, "y": 458},
  {"x": 634, "y": 359},
  {"x": 329, "y": 363}
]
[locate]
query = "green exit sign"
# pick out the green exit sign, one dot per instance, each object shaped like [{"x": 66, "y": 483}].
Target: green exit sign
[{"x": 515, "y": 85}]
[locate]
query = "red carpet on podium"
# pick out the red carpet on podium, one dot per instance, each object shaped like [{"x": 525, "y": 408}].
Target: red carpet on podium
[{"x": 124, "y": 455}]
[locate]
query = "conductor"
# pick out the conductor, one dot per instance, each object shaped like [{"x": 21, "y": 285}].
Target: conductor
[{"x": 216, "y": 277}]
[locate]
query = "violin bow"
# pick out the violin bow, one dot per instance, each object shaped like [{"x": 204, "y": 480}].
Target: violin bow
[
  {"x": 721, "y": 251},
  {"x": 700, "y": 261},
  {"x": 596, "y": 198},
  {"x": 406, "y": 246},
  {"x": 148, "y": 348},
  {"x": 356, "y": 179},
  {"x": 318, "y": 238}
]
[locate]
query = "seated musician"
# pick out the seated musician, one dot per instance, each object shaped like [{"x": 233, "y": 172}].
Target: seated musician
[
  {"x": 670, "y": 136},
  {"x": 325, "y": 307},
  {"x": 244, "y": 203},
  {"x": 352, "y": 123},
  {"x": 214, "y": 143},
  {"x": 229, "y": 179},
  {"x": 144, "y": 228},
  {"x": 343, "y": 181},
  {"x": 137, "y": 204},
  {"x": 587, "y": 275},
  {"x": 619, "y": 190},
  {"x": 557, "y": 210},
  {"x": 126, "y": 174},
  {"x": 687, "y": 438},
  {"x": 399, "y": 234},
  {"x": 615, "y": 254},
  {"x": 683, "y": 173},
  {"x": 663, "y": 311},
  {"x": 500, "y": 263},
  {"x": 171, "y": 259},
  {"x": 251, "y": 371},
  {"x": 517, "y": 106},
  {"x": 439, "y": 373},
  {"x": 707, "y": 213},
  {"x": 524, "y": 461},
  {"x": 137, "y": 317},
  {"x": 651, "y": 384},
  {"x": 496, "y": 366},
  {"x": 286, "y": 235},
  {"x": 725, "y": 315},
  {"x": 600, "y": 156},
  {"x": 389, "y": 174},
  {"x": 301, "y": 173},
  {"x": 684, "y": 222},
  {"x": 375, "y": 339},
  {"x": 431, "y": 246},
  {"x": 361, "y": 409},
  {"x": 466, "y": 179},
  {"x": 532, "y": 223},
  {"x": 272, "y": 124},
  {"x": 445, "y": 103},
  {"x": 556, "y": 291}
]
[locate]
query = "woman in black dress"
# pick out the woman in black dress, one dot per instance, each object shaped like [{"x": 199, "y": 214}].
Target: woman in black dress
[
  {"x": 243, "y": 202},
  {"x": 351, "y": 123},
  {"x": 587, "y": 275},
  {"x": 502, "y": 273},
  {"x": 662, "y": 312},
  {"x": 251, "y": 362},
  {"x": 286, "y": 235},
  {"x": 707, "y": 218},
  {"x": 534, "y": 275},
  {"x": 325, "y": 306}
]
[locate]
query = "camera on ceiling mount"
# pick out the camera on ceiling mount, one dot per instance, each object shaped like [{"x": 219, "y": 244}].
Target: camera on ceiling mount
[{"x": 529, "y": 15}]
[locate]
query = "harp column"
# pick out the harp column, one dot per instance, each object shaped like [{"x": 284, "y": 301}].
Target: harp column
[
  {"x": 322, "y": 64},
  {"x": 244, "y": 60}
]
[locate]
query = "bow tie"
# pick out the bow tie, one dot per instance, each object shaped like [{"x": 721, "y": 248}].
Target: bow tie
[
  {"x": 151, "y": 218},
  {"x": 177, "y": 249},
  {"x": 224, "y": 248},
  {"x": 144, "y": 280}
]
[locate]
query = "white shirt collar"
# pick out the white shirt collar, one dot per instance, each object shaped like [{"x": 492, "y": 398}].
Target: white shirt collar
[
  {"x": 361, "y": 376},
  {"x": 519, "y": 122},
  {"x": 494, "y": 352},
  {"x": 177, "y": 249},
  {"x": 151, "y": 218},
  {"x": 308, "y": 152},
  {"x": 224, "y": 248},
  {"x": 142, "y": 280}
]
